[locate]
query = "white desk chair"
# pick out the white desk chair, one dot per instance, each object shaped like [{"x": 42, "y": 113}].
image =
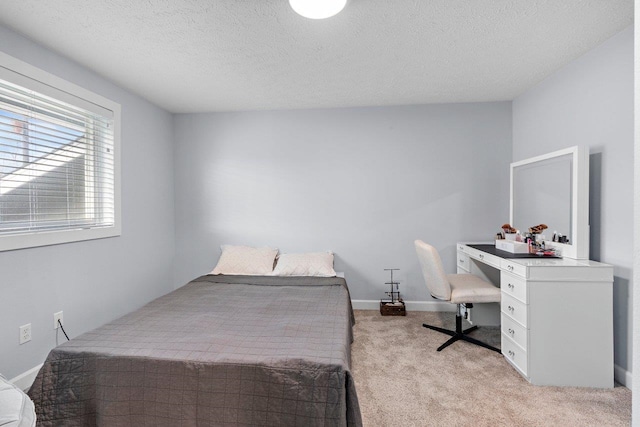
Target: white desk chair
[{"x": 460, "y": 289}]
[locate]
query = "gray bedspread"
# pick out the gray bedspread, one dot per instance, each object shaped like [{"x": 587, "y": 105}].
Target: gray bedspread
[{"x": 222, "y": 350}]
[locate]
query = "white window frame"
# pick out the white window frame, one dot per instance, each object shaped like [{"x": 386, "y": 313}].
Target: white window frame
[{"x": 45, "y": 238}]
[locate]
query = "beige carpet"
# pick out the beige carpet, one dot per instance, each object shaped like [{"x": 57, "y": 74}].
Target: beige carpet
[{"x": 402, "y": 381}]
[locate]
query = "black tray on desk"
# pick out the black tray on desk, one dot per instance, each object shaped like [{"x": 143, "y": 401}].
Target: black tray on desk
[{"x": 491, "y": 249}]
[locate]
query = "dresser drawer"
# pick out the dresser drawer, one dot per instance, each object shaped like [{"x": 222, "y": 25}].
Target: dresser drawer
[
  {"x": 514, "y": 330},
  {"x": 513, "y": 267},
  {"x": 514, "y": 353},
  {"x": 514, "y": 286},
  {"x": 517, "y": 310},
  {"x": 463, "y": 261},
  {"x": 484, "y": 257}
]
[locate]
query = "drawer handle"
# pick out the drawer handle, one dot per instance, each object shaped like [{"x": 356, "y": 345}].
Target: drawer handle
[
  {"x": 511, "y": 331},
  {"x": 510, "y": 267},
  {"x": 481, "y": 256},
  {"x": 510, "y": 308},
  {"x": 512, "y": 354},
  {"x": 510, "y": 286},
  {"x": 461, "y": 261}
]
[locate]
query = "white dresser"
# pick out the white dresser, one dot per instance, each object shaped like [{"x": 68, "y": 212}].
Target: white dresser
[{"x": 556, "y": 315}]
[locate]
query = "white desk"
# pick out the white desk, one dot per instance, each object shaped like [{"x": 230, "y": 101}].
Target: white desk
[{"x": 556, "y": 315}]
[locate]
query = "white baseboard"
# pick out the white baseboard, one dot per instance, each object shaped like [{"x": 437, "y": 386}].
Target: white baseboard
[
  {"x": 359, "y": 304},
  {"x": 622, "y": 376},
  {"x": 25, "y": 379}
]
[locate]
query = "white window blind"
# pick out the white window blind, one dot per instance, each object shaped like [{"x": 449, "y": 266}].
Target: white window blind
[{"x": 57, "y": 163}]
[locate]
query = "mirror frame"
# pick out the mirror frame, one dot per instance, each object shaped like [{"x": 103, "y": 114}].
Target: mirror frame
[{"x": 579, "y": 247}]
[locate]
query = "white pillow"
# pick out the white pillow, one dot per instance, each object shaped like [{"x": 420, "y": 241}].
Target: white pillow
[
  {"x": 16, "y": 409},
  {"x": 245, "y": 260},
  {"x": 309, "y": 264}
]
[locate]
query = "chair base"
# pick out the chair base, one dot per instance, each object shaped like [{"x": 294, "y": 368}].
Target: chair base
[{"x": 459, "y": 334}]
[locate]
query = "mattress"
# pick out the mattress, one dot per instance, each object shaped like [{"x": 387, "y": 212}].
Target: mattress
[{"x": 221, "y": 350}]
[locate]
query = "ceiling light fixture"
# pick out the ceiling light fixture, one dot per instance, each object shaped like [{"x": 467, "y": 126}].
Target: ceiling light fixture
[{"x": 317, "y": 9}]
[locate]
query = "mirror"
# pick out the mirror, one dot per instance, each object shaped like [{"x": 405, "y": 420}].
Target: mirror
[
  {"x": 553, "y": 189},
  {"x": 544, "y": 186}
]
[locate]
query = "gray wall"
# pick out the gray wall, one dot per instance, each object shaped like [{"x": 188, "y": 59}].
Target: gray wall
[
  {"x": 95, "y": 281},
  {"x": 363, "y": 182},
  {"x": 590, "y": 102}
]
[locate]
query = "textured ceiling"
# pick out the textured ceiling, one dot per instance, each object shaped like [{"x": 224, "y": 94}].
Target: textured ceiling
[{"x": 225, "y": 55}]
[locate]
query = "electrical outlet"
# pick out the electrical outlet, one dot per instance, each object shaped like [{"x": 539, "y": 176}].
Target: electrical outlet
[
  {"x": 57, "y": 316},
  {"x": 25, "y": 333}
]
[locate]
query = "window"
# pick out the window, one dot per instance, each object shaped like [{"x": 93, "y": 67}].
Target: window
[{"x": 59, "y": 160}]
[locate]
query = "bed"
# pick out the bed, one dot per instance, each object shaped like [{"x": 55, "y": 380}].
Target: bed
[{"x": 221, "y": 350}]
